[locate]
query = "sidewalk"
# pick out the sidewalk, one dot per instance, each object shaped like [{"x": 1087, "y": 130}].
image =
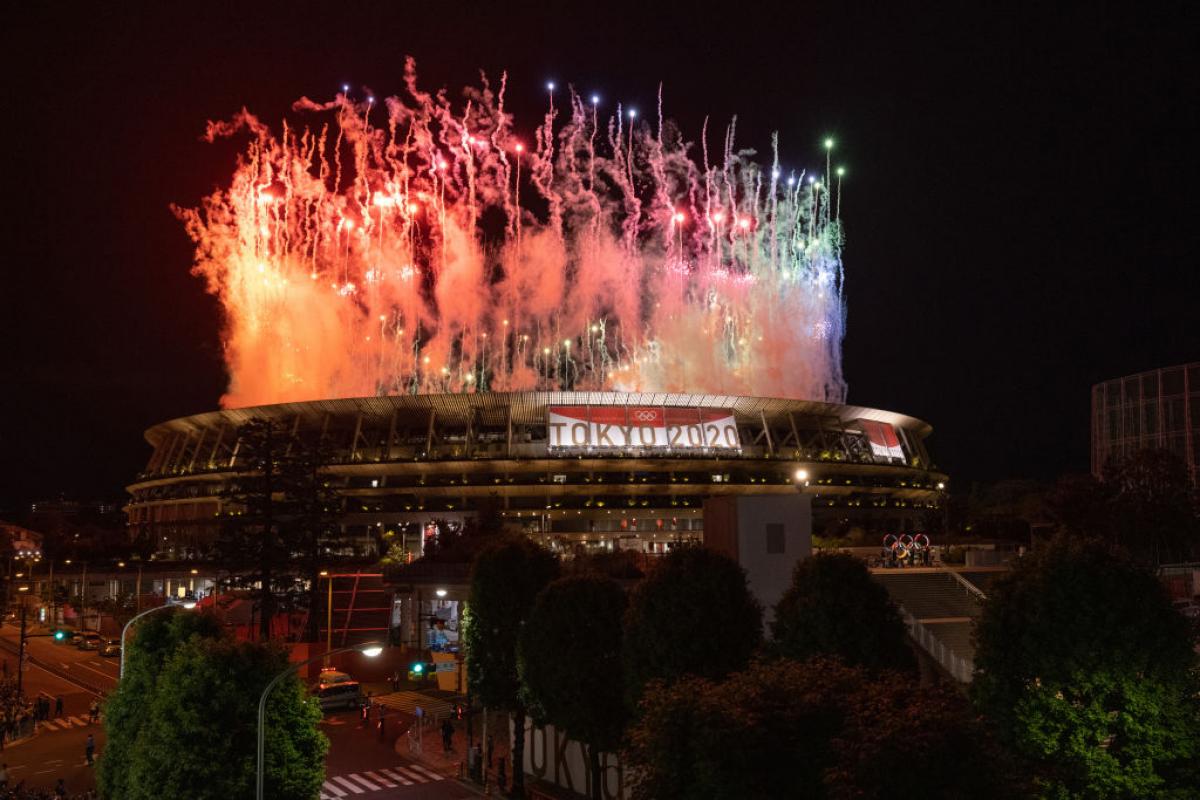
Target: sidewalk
[{"x": 453, "y": 763}]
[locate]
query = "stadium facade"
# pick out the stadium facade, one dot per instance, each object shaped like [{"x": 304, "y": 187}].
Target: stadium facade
[
  {"x": 578, "y": 470},
  {"x": 1159, "y": 409}
]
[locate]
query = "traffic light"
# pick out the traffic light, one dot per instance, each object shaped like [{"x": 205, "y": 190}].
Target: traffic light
[
  {"x": 420, "y": 669},
  {"x": 60, "y": 635}
]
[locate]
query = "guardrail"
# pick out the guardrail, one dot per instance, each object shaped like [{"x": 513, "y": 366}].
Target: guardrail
[
  {"x": 961, "y": 669},
  {"x": 970, "y": 587}
]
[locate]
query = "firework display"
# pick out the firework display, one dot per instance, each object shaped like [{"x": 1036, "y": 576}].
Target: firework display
[{"x": 416, "y": 245}]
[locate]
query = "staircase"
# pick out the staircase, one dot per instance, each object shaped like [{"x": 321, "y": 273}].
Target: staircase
[{"x": 940, "y": 608}]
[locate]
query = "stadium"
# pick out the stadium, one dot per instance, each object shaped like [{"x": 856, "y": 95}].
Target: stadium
[{"x": 580, "y": 471}]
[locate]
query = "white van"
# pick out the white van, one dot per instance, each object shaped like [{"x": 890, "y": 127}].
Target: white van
[{"x": 339, "y": 696}]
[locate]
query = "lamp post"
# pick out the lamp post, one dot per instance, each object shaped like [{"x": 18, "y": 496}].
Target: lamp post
[
  {"x": 188, "y": 604},
  {"x": 370, "y": 650}
]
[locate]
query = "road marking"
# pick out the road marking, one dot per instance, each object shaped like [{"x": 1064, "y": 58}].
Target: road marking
[
  {"x": 410, "y": 772},
  {"x": 429, "y": 773},
  {"x": 355, "y": 776},
  {"x": 333, "y": 790},
  {"x": 395, "y": 777},
  {"x": 380, "y": 779},
  {"x": 104, "y": 675},
  {"x": 351, "y": 786}
]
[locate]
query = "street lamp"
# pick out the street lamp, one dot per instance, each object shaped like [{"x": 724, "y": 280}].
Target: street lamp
[
  {"x": 188, "y": 603},
  {"x": 370, "y": 650}
]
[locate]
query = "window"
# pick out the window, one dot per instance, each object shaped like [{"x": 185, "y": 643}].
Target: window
[{"x": 775, "y": 539}]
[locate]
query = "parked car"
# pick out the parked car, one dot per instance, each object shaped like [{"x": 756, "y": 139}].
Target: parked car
[
  {"x": 91, "y": 641},
  {"x": 339, "y": 696},
  {"x": 111, "y": 647}
]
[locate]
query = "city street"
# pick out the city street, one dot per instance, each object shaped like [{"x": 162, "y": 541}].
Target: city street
[
  {"x": 360, "y": 765},
  {"x": 86, "y": 667}
]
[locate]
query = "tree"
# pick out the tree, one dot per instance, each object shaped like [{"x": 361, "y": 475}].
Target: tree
[
  {"x": 280, "y": 521},
  {"x": 570, "y": 664},
  {"x": 1079, "y": 505},
  {"x": 693, "y": 615},
  {"x": 201, "y": 733},
  {"x": 250, "y": 545},
  {"x": 898, "y": 739},
  {"x": 183, "y": 721},
  {"x": 816, "y": 729},
  {"x": 153, "y": 641},
  {"x": 1083, "y": 667},
  {"x": 311, "y": 527},
  {"x": 506, "y": 578},
  {"x": 834, "y": 608},
  {"x": 1154, "y": 513}
]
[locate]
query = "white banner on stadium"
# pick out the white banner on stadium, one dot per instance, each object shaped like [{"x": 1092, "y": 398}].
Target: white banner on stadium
[{"x": 626, "y": 427}]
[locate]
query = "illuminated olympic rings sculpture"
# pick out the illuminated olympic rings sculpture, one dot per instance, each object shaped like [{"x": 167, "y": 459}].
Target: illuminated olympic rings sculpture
[{"x": 905, "y": 545}]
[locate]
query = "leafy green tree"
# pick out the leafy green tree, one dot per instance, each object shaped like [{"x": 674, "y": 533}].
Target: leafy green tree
[
  {"x": 152, "y": 642},
  {"x": 693, "y": 615},
  {"x": 816, "y": 729},
  {"x": 200, "y": 737},
  {"x": 506, "y": 578},
  {"x": 1083, "y": 667},
  {"x": 570, "y": 663},
  {"x": 834, "y": 608}
]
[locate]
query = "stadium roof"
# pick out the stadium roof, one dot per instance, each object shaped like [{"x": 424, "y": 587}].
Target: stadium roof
[{"x": 526, "y": 408}]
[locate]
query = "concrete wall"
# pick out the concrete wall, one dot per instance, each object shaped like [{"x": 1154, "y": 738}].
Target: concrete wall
[{"x": 741, "y": 527}]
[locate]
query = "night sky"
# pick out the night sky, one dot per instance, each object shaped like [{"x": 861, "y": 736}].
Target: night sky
[{"x": 1020, "y": 203}]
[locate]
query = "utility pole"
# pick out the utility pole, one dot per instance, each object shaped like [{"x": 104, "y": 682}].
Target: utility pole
[{"x": 21, "y": 654}]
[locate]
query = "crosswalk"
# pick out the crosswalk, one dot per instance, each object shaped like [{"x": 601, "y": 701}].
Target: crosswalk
[
  {"x": 408, "y": 702},
  {"x": 63, "y": 723},
  {"x": 377, "y": 780}
]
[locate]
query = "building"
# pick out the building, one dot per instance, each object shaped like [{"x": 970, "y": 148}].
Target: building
[
  {"x": 1159, "y": 409},
  {"x": 581, "y": 471}
]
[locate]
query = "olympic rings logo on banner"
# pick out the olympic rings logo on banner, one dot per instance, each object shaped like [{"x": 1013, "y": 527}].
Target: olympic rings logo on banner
[{"x": 645, "y": 416}]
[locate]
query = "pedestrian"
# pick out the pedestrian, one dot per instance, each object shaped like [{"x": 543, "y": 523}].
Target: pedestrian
[
  {"x": 395, "y": 680},
  {"x": 382, "y": 726},
  {"x": 364, "y": 714},
  {"x": 94, "y": 711},
  {"x": 3, "y": 776},
  {"x": 90, "y": 750},
  {"x": 60, "y": 789},
  {"x": 447, "y": 736},
  {"x": 58, "y": 706}
]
